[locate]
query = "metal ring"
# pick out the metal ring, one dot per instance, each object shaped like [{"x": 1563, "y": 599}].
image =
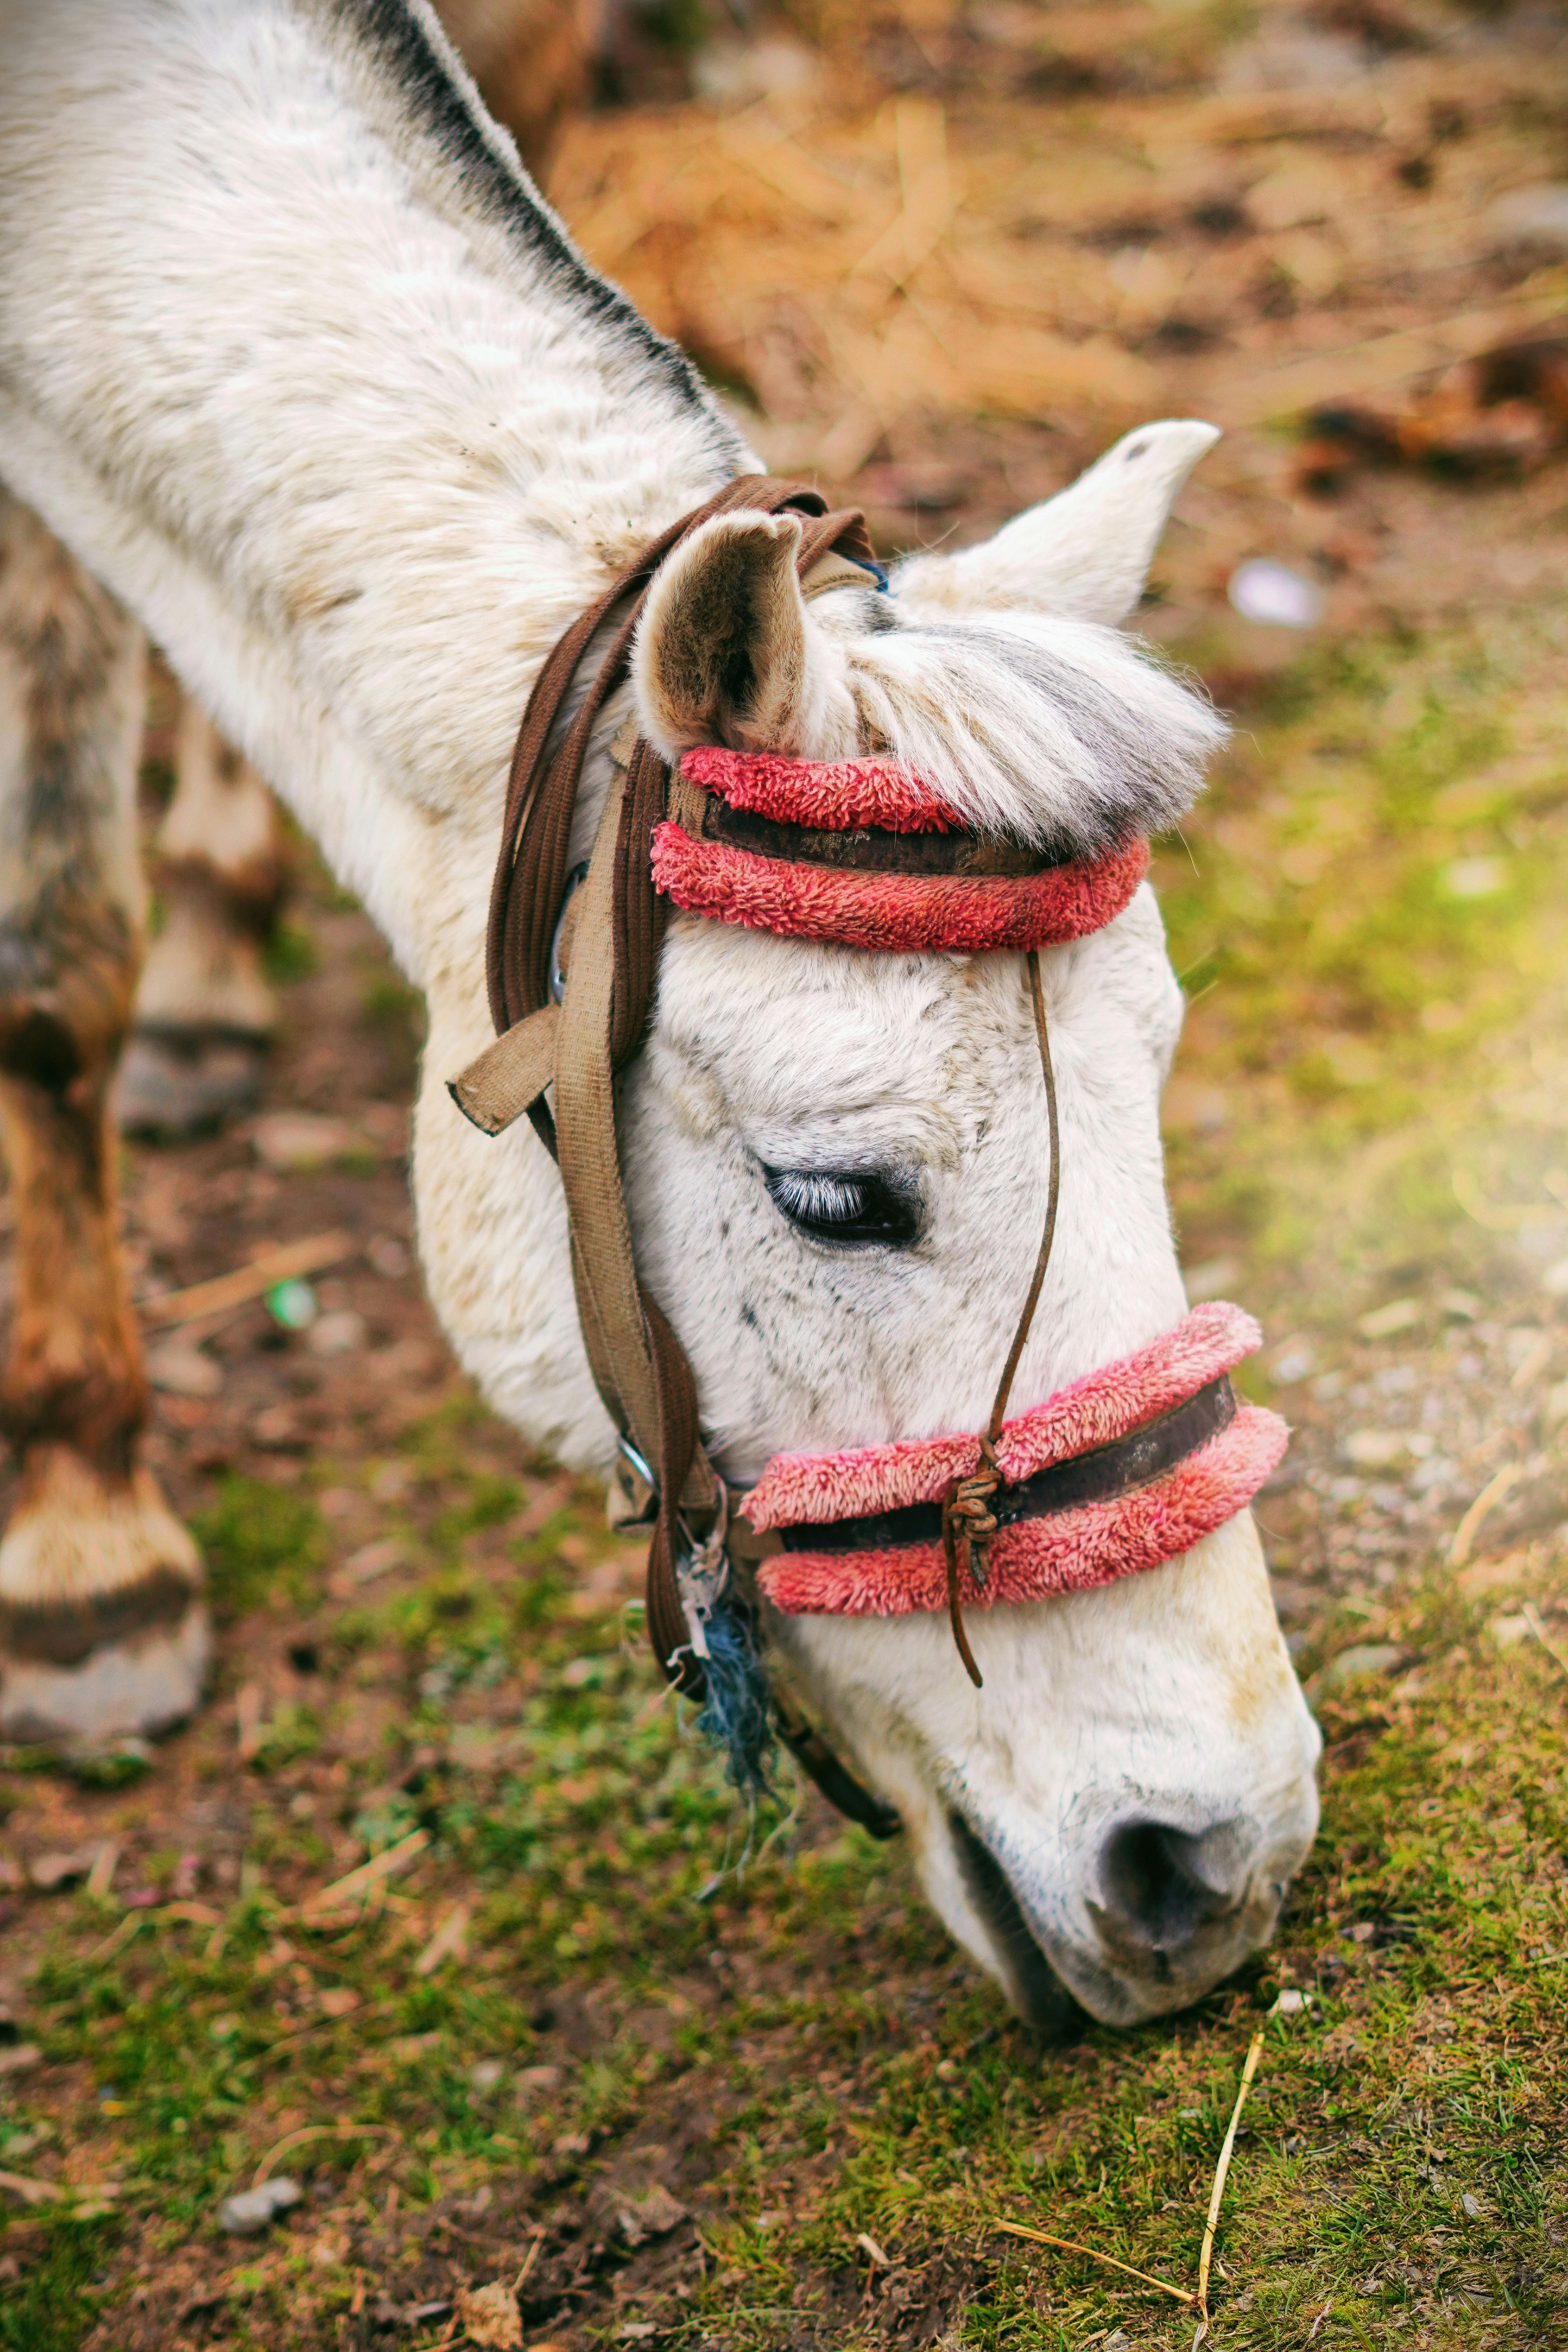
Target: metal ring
[
  {"x": 574, "y": 881},
  {"x": 629, "y": 1453}
]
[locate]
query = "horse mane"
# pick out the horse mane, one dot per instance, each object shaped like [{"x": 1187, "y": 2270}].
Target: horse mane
[
  {"x": 426, "y": 102},
  {"x": 1057, "y": 733}
]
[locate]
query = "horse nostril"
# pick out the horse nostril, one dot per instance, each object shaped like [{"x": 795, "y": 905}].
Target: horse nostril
[{"x": 1162, "y": 1885}]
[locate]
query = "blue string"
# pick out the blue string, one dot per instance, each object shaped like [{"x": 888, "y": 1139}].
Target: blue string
[{"x": 735, "y": 1715}]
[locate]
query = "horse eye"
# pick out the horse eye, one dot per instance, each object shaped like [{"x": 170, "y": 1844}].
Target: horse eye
[{"x": 845, "y": 1205}]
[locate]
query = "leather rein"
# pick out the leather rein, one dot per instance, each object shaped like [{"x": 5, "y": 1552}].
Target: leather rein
[{"x": 582, "y": 1042}]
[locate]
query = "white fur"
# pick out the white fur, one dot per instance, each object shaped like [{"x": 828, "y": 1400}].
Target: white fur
[
  {"x": 1088, "y": 550},
  {"x": 278, "y": 374}
]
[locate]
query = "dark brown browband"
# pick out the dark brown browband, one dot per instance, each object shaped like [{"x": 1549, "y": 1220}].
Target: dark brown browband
[
  {"x": 868, "y": 849},
  {"x": 1110, "y": 1471}
]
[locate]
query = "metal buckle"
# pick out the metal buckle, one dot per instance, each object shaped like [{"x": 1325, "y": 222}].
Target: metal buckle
[{"x": 634, "y": 1502}]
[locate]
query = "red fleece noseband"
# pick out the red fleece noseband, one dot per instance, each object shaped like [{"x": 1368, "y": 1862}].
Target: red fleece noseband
[
  {"x": 865, "y": 905},
  {"x": 1070, "y": 1551}
]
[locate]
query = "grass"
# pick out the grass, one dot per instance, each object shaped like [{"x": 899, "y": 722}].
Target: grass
[
  {"x": 768, "y": 2006},
  {"x": 1362, "y": 909},
  {"x": 1427, "y": 2073},
  {"x": 263, "y": 1547}
]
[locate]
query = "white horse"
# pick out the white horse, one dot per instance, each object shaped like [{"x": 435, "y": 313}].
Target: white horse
[{"x": 295, "y": 361}]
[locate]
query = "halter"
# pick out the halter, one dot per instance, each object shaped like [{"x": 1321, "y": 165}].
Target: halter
[{"x": 1122, "y": 1470}]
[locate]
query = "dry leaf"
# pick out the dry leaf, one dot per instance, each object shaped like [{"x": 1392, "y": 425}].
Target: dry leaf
[
  {"x": 653, "y": 2216},
  {"x": 488, "y": 2315}
]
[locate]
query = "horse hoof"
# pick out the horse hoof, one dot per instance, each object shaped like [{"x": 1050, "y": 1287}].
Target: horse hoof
[
  {"x": 174, "y": 1082},
  {"x": 103, "y": 1632}
]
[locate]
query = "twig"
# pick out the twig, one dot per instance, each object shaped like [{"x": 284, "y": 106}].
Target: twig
[
  {"x": 196, "y": 1915},
  {"x": 1220, "y": 2172},
  {"x": 100, "y": 1877},
  {"x": 39, "y": 2192},
  {"x": 250, "y": 1727},
  {"x": 31, "y": 2192},
  {"x": 301, "y": 2033},
  {"x": 1016, "y": 2229},
  {"x": 528, "y": 2261},
  {"x": 1492, "y": 1492},
  {"x": 1532, "y": 1619},
  {"x": 247, "y": 1282},
  {"x": 120, "y": 1935},
  {"x": 448, "y": 1942},
  {"x": 346, "y": 1890},
  {"x": 339, "y": 2131}
]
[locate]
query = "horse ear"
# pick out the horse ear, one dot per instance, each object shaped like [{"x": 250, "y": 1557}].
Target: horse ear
[
  {"x": 724, "y": 651},
  {"x": 1086, "y": 552}
]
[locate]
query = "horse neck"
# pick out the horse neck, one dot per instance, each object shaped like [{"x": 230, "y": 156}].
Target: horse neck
[
  {"x": 330, "y": 402},
  {"x": 327, "y": 399}
]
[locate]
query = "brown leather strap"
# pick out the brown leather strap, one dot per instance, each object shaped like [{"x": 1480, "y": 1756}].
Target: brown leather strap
[
  {"x": 836, "y": 1782},
  {"x": 542, "y": 793},
  {"x": 638, "y": 1365}
]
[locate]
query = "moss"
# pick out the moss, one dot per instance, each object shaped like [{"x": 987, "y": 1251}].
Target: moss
[
  {"x": 262, "y": 1545},
  {"x": 290, "y": 953}
]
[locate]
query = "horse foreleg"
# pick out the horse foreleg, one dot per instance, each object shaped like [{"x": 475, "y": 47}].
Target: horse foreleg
[
  {"x": 102, "y": 1628},
  {"x": 205, "y": 1010}
]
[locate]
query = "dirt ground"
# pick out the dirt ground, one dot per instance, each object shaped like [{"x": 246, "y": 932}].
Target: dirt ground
[{"x": 589, "y": 2036}]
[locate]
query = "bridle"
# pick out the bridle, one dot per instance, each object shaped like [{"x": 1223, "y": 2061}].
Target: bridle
[{"x": 859, "y": 852}]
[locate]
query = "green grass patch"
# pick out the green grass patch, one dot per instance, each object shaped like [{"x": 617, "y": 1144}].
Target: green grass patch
[{"x": 262, "y": 1545}]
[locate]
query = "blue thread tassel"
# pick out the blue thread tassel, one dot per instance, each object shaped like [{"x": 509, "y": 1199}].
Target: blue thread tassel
[{"x": 735, "y": 1714}]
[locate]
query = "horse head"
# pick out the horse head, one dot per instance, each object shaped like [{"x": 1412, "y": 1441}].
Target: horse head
[{"x": 836, "y": 1163}]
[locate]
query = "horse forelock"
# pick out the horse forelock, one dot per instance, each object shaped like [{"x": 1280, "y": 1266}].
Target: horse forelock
[{"x": 1060, "y": 734}]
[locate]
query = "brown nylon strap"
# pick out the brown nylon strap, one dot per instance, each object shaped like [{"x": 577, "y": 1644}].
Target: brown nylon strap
[
  {"x": 509, "y": 1074},
  {"x": 602, "y": 1263}
]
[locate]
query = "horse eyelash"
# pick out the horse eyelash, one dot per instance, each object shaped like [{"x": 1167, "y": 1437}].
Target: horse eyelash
[
  {"x": 816, "y": 1199},
  {"x": 847, "y": 1206}
]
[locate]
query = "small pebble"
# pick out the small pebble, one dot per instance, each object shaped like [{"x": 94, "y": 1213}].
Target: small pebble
[
  {"x": 1271, "y": 593},
  {"x": 1475, "y": 877},
  {"x": 1399, "y": 1315},
  {"x": 1536, "y": 217},
  {"x": 342, "y": 1333},
  {"x": 1374, "y": 1449},
  {"x": 255, "y": 2210},
  {"x": 1364, "y": 1658},
  {"x": 290, "y": 1140},
  {"x": 51, "y": 1871},
  {"x": 181, "y": 1370},
  {"x": 537, "y": 2083}
]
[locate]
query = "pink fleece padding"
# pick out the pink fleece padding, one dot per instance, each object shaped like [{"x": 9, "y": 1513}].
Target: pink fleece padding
[
  {"x": 899, "y": 914},
  {"x": 834, "y": 793},
  {"x": 1033, "y": 1558},
  {"x": 810, "y": 1489}
]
